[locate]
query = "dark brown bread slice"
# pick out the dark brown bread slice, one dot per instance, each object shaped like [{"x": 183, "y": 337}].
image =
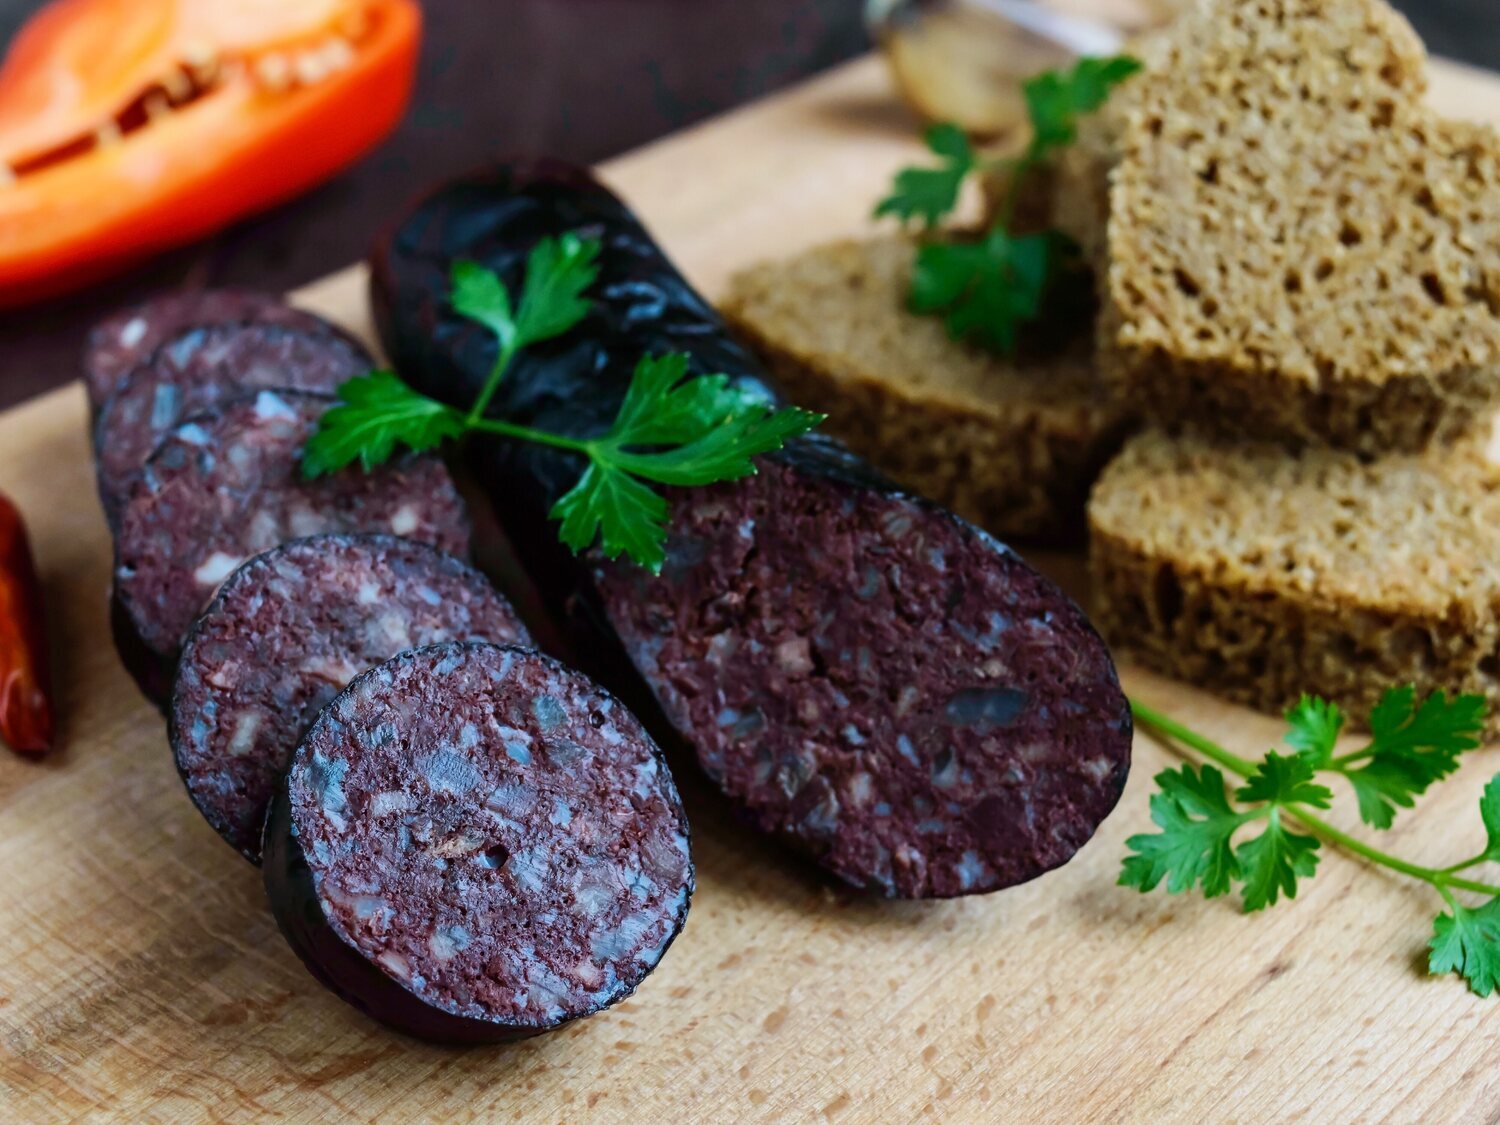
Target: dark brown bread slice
[
  {"x": 1012, "y": 446},
  {"x": 1298, "y": 249},
  {"x": 1259, "y": 574}
]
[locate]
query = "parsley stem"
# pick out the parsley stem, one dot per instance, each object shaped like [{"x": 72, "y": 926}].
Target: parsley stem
[
  {"x": 526, "y": 433},
  {"x": 1192, "y": 739},
  {"x": 1437, "y": 878},
  {"x": 1473, "y": 861},
  {"x": 492, "y": 384},
  {"x": 1441, "y": 879}
]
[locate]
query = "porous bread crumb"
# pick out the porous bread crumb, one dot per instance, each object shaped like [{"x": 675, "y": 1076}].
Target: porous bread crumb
[
  {"x": 1261, "y": 574},
  {"x": 1012, "y": 446},
  {"x": 1297, "y": 247}
]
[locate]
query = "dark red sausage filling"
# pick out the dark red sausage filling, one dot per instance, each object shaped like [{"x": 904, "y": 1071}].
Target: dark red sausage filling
[
  {"x": 228, "y": 485},
  {"x": 285, "y": 634},
  {"x": 200, "y": 369},
  {"x": 132, "y": 335},
  {"x": 496, "y": 835},
  {"x": 878, "y": 681}
]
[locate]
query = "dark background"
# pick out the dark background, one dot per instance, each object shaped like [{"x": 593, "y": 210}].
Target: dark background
[{"x": 582, "y": 79}]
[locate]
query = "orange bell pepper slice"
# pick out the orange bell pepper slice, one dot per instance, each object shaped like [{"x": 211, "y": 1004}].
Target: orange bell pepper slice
[{"x": 131, "y": 126}]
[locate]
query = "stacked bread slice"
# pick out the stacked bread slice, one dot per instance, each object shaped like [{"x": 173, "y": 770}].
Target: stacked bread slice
[
  {"x": 1300, "y": 282},
  {"x": 1298, "y": 267}
]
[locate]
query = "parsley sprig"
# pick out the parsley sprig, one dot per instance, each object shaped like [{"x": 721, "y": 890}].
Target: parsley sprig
[
  {"x": 671, "y": 429},
  {"x": 987, "y": 289},
  {"x": 1214, "y": 838}
]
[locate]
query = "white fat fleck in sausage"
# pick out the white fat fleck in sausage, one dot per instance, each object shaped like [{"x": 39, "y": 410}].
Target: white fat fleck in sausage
[
  {"x": 217, "y": 567},
  {"x": 245, "y": 729},
  {"x": 405, "y": 520},
  {"x": 269, "y": 405},
  {"x": 133, "y": 332}
]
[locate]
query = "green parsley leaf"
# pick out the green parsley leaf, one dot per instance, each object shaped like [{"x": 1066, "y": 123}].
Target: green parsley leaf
[
  {"x": 480, "y": 295},
  {"x": 1194, "y": 846},
  {"x": 627, "y": 516},
  {"x": 1273, "y": 862},
  {"x": 1467, "y": 942},
  {"x": 662, "y": 406},
  {"x": 711, "y": 431},
  {"x": 1281, "y": 780},
  {"x": 986, "y": 289},
  {"x": 931, "y": 193},
  {"x": 1055, "y": 100},
  {"x": 376, "y": 413},
  {"x": 714, "y": 429},
  {"x": 1383, "y": 787},
  {"x": 558, "y": 272},
  {"x": 1489, "y": 812},
  {"x": 1438, "y": 726},
  {"x": 1414, "y": 745},
  {"x": 1315, "y": 728}
]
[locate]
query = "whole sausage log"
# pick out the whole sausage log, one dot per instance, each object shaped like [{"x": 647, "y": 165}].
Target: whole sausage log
[
  {"x": 475, "y": 844},
  {"x": 864, "y": 674}
]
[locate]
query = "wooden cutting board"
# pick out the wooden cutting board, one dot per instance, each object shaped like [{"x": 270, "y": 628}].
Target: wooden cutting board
[{"x": 141, "y": 975}]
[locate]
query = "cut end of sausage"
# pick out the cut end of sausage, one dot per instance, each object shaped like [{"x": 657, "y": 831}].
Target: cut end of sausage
[
  {"x": 130, "y": 336},
  {"x": 196, "y": 371},
  {"x": 227, "y": 485},
  {"x": 878, "y": 682},
  {"x": 285, "y": 634},
  {"x": 494, "y": 842}
]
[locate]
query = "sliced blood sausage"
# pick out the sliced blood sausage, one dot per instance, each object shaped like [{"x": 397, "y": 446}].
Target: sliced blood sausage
[
  {"x": 865, "y": 675},
  {"x": 285, "y": 634},
  {"x": 476, "y": 844},
  {"x": 227, "y": 485},
  {"x": 130, "y": 336},
  {"x": 199, "y": 369}
]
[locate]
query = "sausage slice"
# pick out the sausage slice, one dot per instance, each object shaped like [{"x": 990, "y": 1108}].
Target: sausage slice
[
  {"x": 475, "y": 844},
  {"x": 226, "y": 486},
  {"x": 285, "y": 634},
  {"x": 198, "y": 370},
  {"x": 130, "y": 336}
]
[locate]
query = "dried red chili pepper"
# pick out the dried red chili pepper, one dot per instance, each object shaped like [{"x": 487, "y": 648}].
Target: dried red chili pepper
[{"x": 25, "y": 680}]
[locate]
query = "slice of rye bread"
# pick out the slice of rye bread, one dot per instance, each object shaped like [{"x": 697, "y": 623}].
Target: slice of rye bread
[
  {"x": 1261, "y": 574},
  {"x": 1299, "y": 249},
  {"x": 1011, "y": 446}
]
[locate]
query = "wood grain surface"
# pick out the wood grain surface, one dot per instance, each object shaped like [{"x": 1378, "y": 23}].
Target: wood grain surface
[{"x": 141, "y": 976}]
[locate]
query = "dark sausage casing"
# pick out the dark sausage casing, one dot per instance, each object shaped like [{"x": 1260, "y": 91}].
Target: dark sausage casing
[
  {"x": 864, "y": 674},
  {"x": 475, "y": 844}
]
